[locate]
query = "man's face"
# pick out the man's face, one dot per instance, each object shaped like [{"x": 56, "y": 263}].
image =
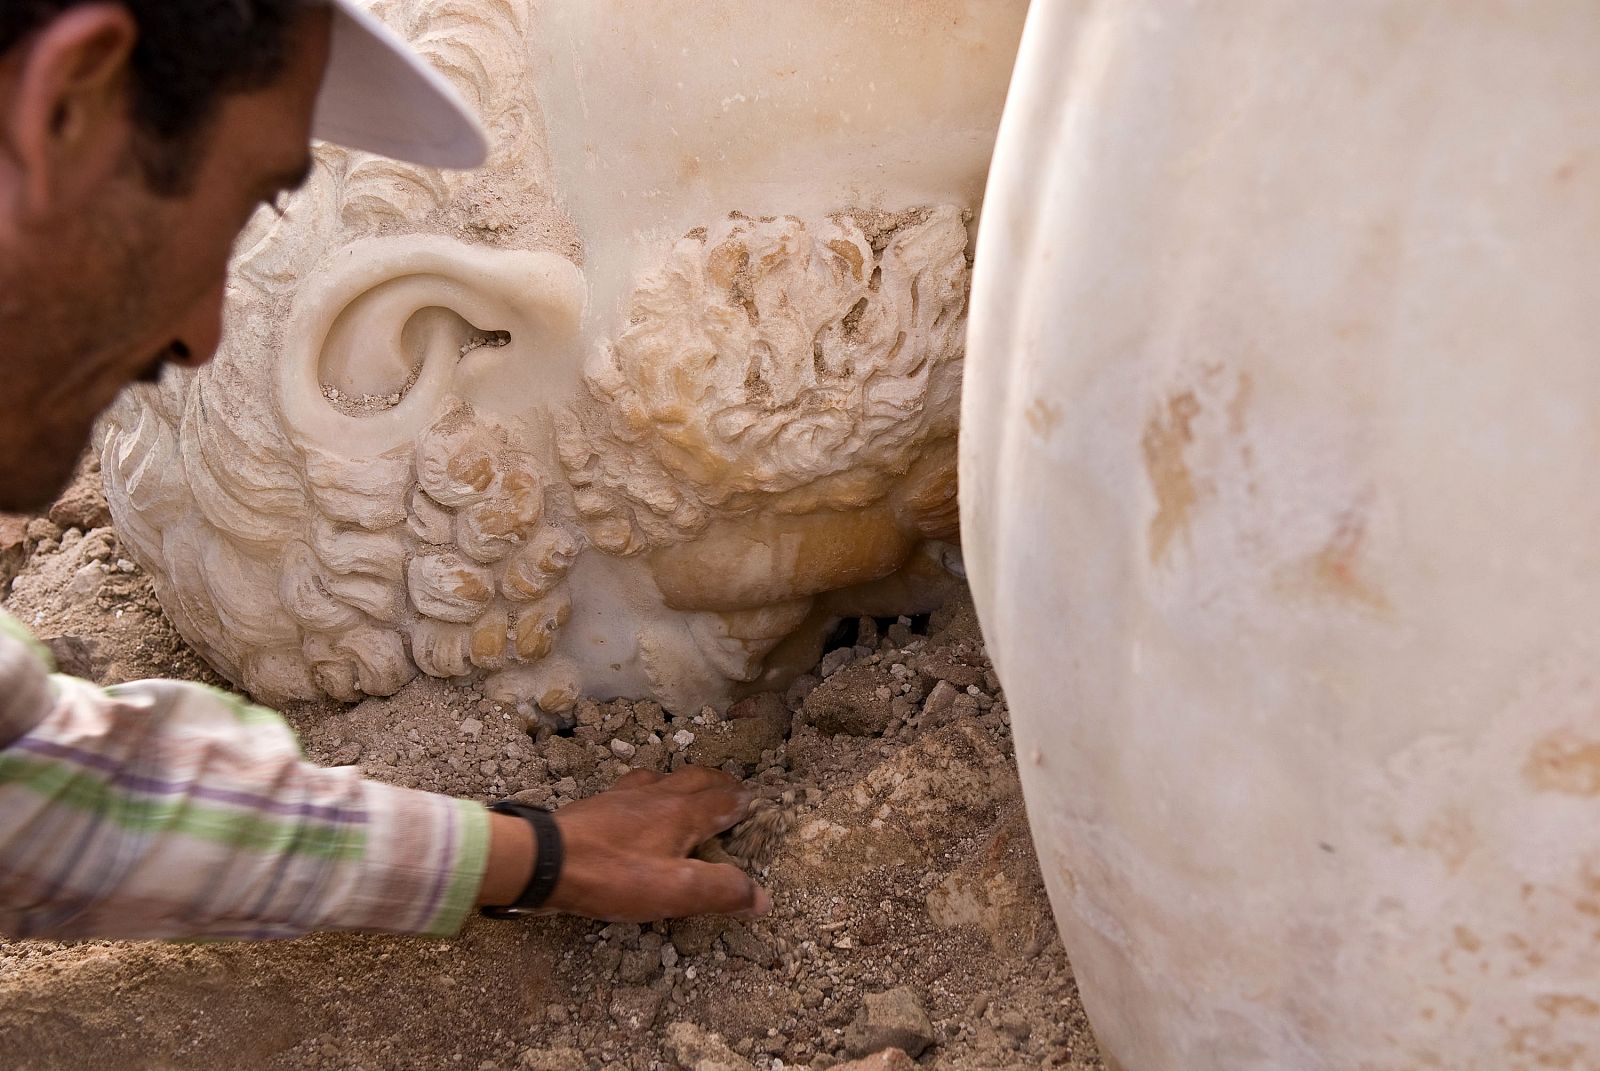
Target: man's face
[{"x": 102, "y": 296}]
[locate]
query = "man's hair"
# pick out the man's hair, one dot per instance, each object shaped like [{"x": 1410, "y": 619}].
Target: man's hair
[{"x": 190, "y": 54}]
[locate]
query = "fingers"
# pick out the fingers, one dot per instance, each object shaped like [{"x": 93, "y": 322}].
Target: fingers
[
  {"x": 692, "y": 779},
  {"x": 709, "y": 812},
  {"x": 715, "y": 801},
  {"x": 638, "y": 779},
  {"x": 712, "y": 800},
  {"x": 625, "y": 850},
  {"x": 720, "y": 800},
  {"x": 715, "y": 889}
]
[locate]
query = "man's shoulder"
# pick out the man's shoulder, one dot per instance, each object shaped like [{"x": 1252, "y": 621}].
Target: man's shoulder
[
  {"x": 26, "y": 692},
  {"x": 14, "y": 632}
]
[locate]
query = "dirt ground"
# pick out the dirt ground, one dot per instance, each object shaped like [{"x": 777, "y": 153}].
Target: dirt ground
[{"x": 908, "y": 906}]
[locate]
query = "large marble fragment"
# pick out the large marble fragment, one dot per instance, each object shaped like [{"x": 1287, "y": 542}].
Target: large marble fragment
[
  {"x": 637, "y": 410},
  {"x": 1278, "y": 463}
]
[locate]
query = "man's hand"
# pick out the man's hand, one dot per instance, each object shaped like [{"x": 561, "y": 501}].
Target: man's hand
[{"x": 627, "y": 851}]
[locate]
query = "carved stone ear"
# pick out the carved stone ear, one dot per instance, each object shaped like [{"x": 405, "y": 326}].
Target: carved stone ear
[
  {"x": 375, "y": 346},
  {"x": 335, "y": 527}
]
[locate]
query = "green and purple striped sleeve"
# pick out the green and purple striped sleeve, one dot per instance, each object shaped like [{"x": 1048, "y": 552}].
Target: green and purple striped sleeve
[{"x": 164, "y": 809}]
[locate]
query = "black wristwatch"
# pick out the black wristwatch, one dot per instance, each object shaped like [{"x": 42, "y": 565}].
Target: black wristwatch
[{"x": 546, "y": 861}]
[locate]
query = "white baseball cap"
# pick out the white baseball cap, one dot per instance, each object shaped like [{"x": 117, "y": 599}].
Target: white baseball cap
[{"x": 381, "y": 96}]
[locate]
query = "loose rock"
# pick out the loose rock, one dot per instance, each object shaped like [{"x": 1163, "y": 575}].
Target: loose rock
[
  {"x": 13, "y": 547},
  {"x": 940, "y": 703},
  {"x": 952, "y": 669},
  {"x": 834, "y": 661},
  {"x": 558, "y": 1059},
  {"x": 83, "y": 505},
  {"x": 887, "y": 1060},
  {"x": 803, "y": 686},
  {"x": 638, "y": 965},
  {"x": 694, "y": 936},
  {"x": 740, "y": 741},
  {"x": 567, "y": 757},
  {"x": 700, "y": 1050},
  {"x": 635, "y": 1007},
  {"x": 894, "y": 1019},
  {"x": 80, "y": 656},
  {"x": 850, "y": 702},
  {"x": 745, "y": 944}
]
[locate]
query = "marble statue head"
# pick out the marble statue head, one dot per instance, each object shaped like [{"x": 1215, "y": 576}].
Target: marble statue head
[{"x": 639, "y": 409}]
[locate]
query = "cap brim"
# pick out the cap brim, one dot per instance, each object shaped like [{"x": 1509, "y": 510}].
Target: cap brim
[{"x": 381, "y": 96}]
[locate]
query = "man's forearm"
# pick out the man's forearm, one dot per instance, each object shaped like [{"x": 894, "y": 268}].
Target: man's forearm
[{"x": 163, "y": 809}]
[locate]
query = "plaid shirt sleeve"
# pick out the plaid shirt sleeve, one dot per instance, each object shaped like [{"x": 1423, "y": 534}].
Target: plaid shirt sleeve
[{"x": 164, "y": 809}]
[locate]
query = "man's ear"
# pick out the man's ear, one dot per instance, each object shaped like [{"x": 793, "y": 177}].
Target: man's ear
[{"x": 67, "y": 122}]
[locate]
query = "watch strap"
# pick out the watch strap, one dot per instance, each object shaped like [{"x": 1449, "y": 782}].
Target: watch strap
[{"x": 548, "y": 856}]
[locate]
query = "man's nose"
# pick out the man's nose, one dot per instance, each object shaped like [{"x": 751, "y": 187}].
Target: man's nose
[{"x": 200, "y": 330}]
